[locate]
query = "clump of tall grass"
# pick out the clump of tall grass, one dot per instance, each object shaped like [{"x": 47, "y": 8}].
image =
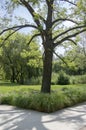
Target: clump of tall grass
[
  {"x": 66, "y": 96},
  {"x": 6, "y": 99}
]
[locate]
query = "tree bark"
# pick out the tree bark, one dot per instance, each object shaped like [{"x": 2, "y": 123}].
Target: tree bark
[
  {"x": 13, "y": 75},
  {"x": 47, "y": 71},
  {"x": 21, "y": 76}
]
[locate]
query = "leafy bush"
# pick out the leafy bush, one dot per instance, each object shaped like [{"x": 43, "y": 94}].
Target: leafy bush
[
  {"x": 63, "y": 79},
  {"x": 79, "y": 79},
  {"x": 54, "y": 78},
  {"x": 34, "y": 81}
]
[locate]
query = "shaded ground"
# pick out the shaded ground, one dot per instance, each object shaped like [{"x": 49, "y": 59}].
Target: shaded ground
[{"x": 12, "y": 118}]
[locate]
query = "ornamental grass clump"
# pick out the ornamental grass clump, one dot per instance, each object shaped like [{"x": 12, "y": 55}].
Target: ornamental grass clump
[{"x": 35, "y": 100}]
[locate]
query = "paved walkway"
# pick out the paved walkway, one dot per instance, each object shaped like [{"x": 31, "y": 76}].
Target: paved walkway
[{"x": 12, "y": 118}]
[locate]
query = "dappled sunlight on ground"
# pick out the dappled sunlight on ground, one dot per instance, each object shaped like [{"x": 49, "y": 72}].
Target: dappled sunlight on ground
[{"x": 12, "y": 118}]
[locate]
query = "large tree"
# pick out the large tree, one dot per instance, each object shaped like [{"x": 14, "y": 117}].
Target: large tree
[{"x": 55, "y": 21}]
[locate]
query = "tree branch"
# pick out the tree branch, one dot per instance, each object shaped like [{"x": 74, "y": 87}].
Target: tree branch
[
  {"x": 18, "y": 27},
  {"x": 69, "y": 2},
  {"x": 68, "y": 37},
  {"x": 8, "y": 37},
  {"x": 31, "y": 10},
  {"x": 60, "y": 58},
  {"x": 70, "y": 29},
  {"x": 72, "y": 41},
  {"x": 64, "y": 19},
  {"x": 33, "y": 38},
  {"x": 36, "y": 20}
]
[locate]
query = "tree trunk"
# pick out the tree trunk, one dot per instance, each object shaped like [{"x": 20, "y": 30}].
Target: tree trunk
[
  {"x": 13, "y": 75},
  {"x": 21, "y": 76},
  {"x": 47, "y": 71}
]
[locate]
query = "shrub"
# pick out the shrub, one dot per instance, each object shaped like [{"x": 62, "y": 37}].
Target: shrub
[
  {"x": 34, "y": 81},
  {"x": 79, "y": 79},
  {"x": 63, "y": 79},
  {"x": 54, "y": 78}
]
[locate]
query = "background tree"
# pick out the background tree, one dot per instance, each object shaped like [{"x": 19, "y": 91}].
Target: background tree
[
  {"x": 78, "y": 55},
  {"x": 18, "y": 60},
  {"x": 74, "y": 57},
  {"x": 50, "y": 27}
]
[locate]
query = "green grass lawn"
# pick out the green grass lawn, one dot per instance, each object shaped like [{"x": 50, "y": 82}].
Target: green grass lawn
[
  {"x": 29, "y": 96},
  {"x": 6, "y": 87}
]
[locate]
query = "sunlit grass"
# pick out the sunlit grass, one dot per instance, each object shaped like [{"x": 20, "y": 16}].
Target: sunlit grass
[
  {"x": 10, "y": 88},
  {"x": 6, "y": 87}
]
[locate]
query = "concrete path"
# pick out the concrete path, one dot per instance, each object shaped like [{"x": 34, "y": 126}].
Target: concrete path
[{"x": 12, "y": 118}]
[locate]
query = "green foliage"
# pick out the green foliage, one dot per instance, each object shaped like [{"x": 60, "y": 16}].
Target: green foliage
[
  {"x": 6, "y": 98},
  {"x": 20, "y": 61},
  {"x": 74, "y": 95},
  {"x": 46, "y": 102},
  {"x": 54, "y": 78},
  {"x": 46, "y": 25},
  {"x": 34, "y": 80},
  {"x": 75, "y": 58},
  {"x": 74, "y": 79},
  {"x": 78, "y": 79},
  {"x": 21, "y": 99},
  {"x": 33, "y": 99},
  {"x": 63, "y": 79},
  {"x": 81, "y": 4}
]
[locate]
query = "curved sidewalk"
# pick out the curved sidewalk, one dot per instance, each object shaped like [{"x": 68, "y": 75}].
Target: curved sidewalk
[{"x": 73, "y": 118}]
